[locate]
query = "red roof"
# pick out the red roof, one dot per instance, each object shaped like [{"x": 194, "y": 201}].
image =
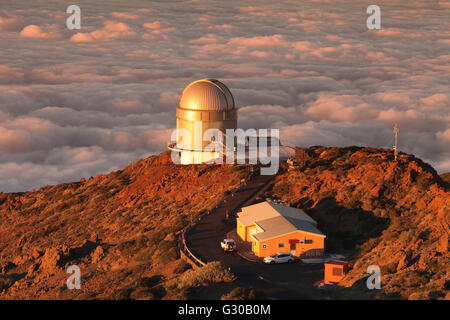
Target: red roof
[{"x": 337, "y": 262}]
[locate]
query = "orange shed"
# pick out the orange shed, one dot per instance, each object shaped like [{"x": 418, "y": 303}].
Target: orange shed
[{"x": 335, "y": 270}]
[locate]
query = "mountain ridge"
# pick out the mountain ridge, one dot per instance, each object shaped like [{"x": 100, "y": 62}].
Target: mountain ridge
[
  {"x": 121, "y": 227},
  {"x": 394, "y": 214}
]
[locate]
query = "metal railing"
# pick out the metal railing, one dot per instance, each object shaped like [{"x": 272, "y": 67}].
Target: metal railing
[
  {"x": 182, "y": 242},
  {"x": 184, "y": 248}
]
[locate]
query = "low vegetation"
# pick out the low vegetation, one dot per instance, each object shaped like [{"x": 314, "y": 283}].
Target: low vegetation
[
  {"x": 240, "y": 293},
  {"x": 118, "y": 228},
  {"x": 377, "y": 211},
  {"x": 122, "y": 228},
  {"x": 212, "y": 272}
]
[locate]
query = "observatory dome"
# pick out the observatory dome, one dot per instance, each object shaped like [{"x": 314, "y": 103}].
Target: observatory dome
[
  {"x": 206, "y": 107},
  {"x": 207, "y": 95}
]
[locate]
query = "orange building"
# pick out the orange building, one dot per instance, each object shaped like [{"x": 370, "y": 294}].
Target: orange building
[
  {"x": 276, "y": 228},
  {"x": 335, "y": 270}
]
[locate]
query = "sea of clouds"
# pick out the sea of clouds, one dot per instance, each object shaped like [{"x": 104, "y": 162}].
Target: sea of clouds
[{"x": 76, "y": 103}]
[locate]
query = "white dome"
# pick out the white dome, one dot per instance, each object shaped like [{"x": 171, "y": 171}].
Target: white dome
[{"x": 207, "y": 94}]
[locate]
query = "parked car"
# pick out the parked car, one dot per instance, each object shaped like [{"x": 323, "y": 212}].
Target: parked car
[
  {"x": 228, "y": 245},
  {"x": 280, "y": 257}
]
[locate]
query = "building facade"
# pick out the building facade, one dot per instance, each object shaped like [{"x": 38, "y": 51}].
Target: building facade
[
  {"x": 273, "y": 228},
  {"x": 335, "y": 270}
]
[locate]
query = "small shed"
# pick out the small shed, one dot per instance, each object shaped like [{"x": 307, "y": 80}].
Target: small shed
[{"x": 335, "y": 270}]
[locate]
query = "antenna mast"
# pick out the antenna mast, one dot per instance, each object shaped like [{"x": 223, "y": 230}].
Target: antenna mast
[{"x": 396, "y": 130}]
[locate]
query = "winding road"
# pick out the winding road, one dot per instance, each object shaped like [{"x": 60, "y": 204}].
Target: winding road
[{"x": 283, "y": 281}]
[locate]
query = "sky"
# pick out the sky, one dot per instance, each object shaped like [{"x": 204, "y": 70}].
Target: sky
[{"x": 77, "y": 103}]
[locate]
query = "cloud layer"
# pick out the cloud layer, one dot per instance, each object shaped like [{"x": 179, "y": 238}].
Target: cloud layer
[{"x": 75, "y": 103}]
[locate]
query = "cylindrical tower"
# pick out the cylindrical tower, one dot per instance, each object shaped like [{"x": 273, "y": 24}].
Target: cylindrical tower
[{"x": 204, "y": 104}]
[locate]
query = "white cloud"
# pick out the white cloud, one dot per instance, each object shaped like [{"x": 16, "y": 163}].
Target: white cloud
[
  {"x": 111, "y": 30},
  {"x": 36, "y": 32},
  {"x": 106, "y": 94},
  {"x": 10, "y": 22}
]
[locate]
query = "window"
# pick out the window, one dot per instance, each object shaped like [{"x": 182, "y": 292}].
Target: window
[
  {"x": 281, "y": 245},
  {"x": 337, "y": 272},
  {"x": 264, "y": 246},
  {"x": 307, "y": 241}
]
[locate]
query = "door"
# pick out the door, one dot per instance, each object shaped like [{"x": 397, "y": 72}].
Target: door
[{"x": 293, "y": 246}]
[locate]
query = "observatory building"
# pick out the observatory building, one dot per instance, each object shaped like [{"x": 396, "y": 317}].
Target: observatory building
[{"x": 204, "y": 104}]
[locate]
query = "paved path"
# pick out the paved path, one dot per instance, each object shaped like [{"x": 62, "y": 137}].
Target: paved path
[
  {"x": 287, "y": 281},
  {"x": 243, "y": 248},
  {"x": 204, "y": 239}
]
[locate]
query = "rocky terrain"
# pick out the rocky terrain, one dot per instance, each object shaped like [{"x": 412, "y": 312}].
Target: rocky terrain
[
  {"x": 446, "y": 178},
  {"x": 121, "y": 228},
  {"x": 379, "y": 212}
]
